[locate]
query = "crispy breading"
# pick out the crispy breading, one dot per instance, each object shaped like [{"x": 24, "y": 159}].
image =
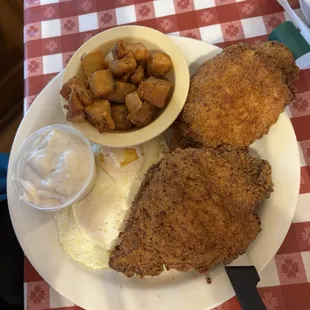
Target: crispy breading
[
  {"x": 236, "y": 97},
  {"x": 196, "y": 208},
  {"x": 182, "y": 137},
  {"x": 281, "y": 56}
]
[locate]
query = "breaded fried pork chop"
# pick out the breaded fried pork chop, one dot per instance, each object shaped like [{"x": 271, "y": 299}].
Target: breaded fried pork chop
[
  {"x": 195, "y": 209},
  {"x": 281, "y": 56},
  {"x": 238, "y": 95}
]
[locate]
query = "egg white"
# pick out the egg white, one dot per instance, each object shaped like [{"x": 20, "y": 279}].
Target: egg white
[
  {"x": 101, "y": 214},
  {"x": 76, "y": 244}
]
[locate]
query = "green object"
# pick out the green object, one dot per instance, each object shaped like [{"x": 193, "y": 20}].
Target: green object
[{"x": 290, "y": 36}]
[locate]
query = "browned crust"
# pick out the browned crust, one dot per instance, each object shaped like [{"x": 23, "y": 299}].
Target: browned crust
[
  {"x": 195, "y": 208},
  {"x": 238, "y": 95}
]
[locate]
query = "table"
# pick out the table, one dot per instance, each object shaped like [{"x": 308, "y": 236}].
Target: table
[{"x": 54, "y": 29}]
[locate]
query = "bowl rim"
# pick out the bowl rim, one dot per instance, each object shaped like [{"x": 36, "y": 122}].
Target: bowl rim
[
  {"x": 19, "y": 156},
  {"x": 162, "y": 122}
]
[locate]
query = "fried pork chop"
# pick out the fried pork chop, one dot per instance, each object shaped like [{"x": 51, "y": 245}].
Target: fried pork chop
[
  {"x": 281, "y": 56},
  {"x": 237, "y": 96},
  {"x": 195, "y": 209}
]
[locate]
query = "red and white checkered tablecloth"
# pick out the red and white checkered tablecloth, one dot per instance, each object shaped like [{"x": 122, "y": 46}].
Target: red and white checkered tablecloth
[{"x": 54, "y": 29}]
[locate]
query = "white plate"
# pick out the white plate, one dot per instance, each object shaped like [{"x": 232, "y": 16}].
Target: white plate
[{"x": 107, "y": 289}]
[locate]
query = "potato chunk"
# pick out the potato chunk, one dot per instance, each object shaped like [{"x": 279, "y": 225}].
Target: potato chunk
[
  {"x": 125, "y": 77},
  {"x": 72, "y": 84},
  {"x": 99, "y": 115},
  {"x": 107, "y": 59},
  {"x": 123, "y": 65},
  {"x": 119, "y": 49},
  {"x": 92, "y": 62},
  {"x": 159, "y": 64},
  {"x": 119, "y": 115},
  {"x": 85, "y": 95},
  {"x": 142, "y": 116},
  {"x": 102, "y": 83},
  {"x": 133, "y": 102},
  {"x": 75, "y": 109},
  {"x": 155, "y": 91},
  {"x": 139, "y": 51},
  {"x": 65, "y": 91},
  {"x": 138, "y": 75},
  {"x": 121, "y": 90}
]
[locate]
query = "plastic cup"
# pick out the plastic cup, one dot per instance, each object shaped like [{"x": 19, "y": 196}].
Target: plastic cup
[{"x": 19, "y": 166}]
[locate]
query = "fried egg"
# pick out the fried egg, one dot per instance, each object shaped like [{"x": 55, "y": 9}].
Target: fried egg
[
  {"x": 89, "y": 229},
  {"x": 75, "y": 243}
]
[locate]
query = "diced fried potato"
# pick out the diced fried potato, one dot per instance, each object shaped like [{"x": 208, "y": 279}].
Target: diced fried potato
[
  {"x": 99, "y": 115},
  {"x": 75, "y": 117},
  {"x": 159, "y": 64},
  {"x": 75, "y": 109},
  {"x": 123, "y": 65},
  {"x": 65, "y": 91},
  {"x": 102, "y": 83},
  {"x": 139, "y": 51},
  {"x": 125, "y": 77},
  {"x": 119, "y": 49},
  {"x": 85, "y": 95},
  {"x": 104, "y": 104},
  {"x": 109, "y": 57},
  {"x": 142, "y": 116},
  {"x": 155, "y": 91},
  {"x": 119, "y": 115},
  {"x": 72, "y": 84},
  {"x": 133, "y": 102},
  {"x": 138, "y": 75},
  {"x": 92, "y": 62},
  {"x": 130, "y": 155},
  {"x": 121, "y": 90}
]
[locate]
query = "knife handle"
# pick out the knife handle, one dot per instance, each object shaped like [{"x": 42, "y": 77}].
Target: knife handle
[{"x": 244, "y": 281}]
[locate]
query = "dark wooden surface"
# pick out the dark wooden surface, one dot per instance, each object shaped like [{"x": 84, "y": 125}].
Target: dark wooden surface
[
  {"x": 11, "y": 60},
  {"x": 11, "y": 70}
]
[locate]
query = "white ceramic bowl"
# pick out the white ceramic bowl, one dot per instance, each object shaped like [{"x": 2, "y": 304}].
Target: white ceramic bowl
[
  {"x": 19, "y": 167},
  {"x": 153, "y": 40}
]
